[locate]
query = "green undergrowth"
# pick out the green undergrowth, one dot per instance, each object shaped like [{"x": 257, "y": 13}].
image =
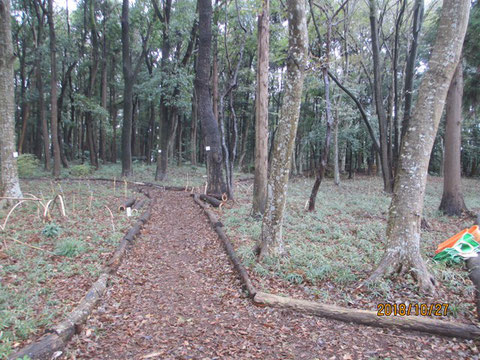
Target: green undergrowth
[
  {"x": 43, "y": 277},
  {"x": 192, "y": 175},
  {"x": 331, "y": 250}
]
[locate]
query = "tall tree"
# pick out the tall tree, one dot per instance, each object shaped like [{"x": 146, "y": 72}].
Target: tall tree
[
  {"x": 42, "y": 124},
  {"x": 128, "y": 76},
  {"x": 286, "y": 131},
  {"x": 261, "y": 112},
  {"x": 320, "y": 173},
  {"x": 381, "y": 112},
  {"x": 410, "y": 67},
  {"x": 452, "y": 199},
  {"x": 211, "y": 135},
  {"x": 9, "y": 184},
  {"x": 403, "y": 229},
  {"x": 53, "y": 90}
]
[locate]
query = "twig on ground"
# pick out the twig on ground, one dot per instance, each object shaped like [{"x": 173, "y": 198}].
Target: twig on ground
[{"x": 30, "y": 246}]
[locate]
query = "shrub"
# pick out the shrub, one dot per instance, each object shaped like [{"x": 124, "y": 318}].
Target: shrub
[
  {"x": 28, "y": 165},
  {"x": 70, "y": 247},
  {"x": 51, "y": 230},
  {"x": 81, "y": 170}
]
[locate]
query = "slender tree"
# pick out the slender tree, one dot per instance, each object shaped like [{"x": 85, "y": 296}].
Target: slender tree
[
  {"x": 452, "y": 198},
  {"x": 403, "y": 229},
  {"x": 211, "y": 135},
  {"x": 261, "y": 112},
  {"x": 10, "y": 186},
  {"x": 128, "y": 76},
  {"x": 53, "y": 90},
  {"x": 287, "y": 128},
  {"x": 381, "y": 112}
]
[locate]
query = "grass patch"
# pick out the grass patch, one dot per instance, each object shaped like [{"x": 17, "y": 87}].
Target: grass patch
[
  {"x": 330, "y": 251},
  {"x": 37, "y": 287}
]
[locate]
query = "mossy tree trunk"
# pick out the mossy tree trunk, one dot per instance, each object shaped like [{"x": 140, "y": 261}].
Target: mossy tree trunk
[
  {"x": 286, "y": 131},
  {"x": 403, "y": 230},
  {"x": 9, "y": 184}
]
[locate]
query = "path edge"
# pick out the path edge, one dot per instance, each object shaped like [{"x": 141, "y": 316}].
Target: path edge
[
  {"x": 349, "y": 315},
  {"x": 56, "y": 338}
]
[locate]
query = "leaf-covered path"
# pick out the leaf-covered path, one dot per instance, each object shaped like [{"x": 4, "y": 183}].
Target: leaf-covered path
[{"x": 175, "y": 296}]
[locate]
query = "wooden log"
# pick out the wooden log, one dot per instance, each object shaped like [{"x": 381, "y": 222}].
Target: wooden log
[
  {"x": 42, "y": 349},
  {"x": 79, "y": 315},
  {"x": 48, "y": 344},
  {"x": 139, "y": 204},
  {"x": 145, "y": 216},
  {"x": 127, "y": 204},
  {"x": 367, "y": 317},
  {"x": 229, "y": 249},
  {"x": 57, "y": 338},
  {"x": 211, "y": 200}
]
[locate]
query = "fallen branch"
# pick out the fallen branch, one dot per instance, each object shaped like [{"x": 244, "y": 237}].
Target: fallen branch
[
  {"x": 30, "y": 246},
  {"x": 367, "y": 317}
]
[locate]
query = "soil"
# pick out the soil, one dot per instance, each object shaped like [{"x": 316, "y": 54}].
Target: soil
[{"x": 175, "y": 296}]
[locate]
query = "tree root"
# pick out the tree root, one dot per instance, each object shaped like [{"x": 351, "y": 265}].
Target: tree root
[{"x": 396, "y": 264}]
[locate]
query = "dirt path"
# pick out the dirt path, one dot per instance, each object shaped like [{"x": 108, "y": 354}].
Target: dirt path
[{"x": 176, "y": 297}]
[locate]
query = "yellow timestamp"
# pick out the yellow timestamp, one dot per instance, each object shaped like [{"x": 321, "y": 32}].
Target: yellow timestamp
[{"x": 435, "y": 309}]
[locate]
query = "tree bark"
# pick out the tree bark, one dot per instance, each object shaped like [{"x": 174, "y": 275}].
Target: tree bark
[
  {"x": 410, "y": 69},
  {"x": 127, "y": 94},
  {"x": 216, "y": 185},
  {"x": 53, "y": 90},
  {"x": 452, "y": 203},
  {"x": 403, "y": 230},
  {"x": 261, "y": 113},
  {"x": 193, "y": 133},
  {"x": 336, "y": 165},
  {"x": 9, "y": 184},
  {"x": 286, "y": 131},
  {"x": 381, "y": 112}
]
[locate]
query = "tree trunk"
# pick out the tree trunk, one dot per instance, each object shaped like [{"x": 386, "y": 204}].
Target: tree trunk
[
  {"x": 286, "y": 131},
  {"x": 452, "y": 199},
  {"x": 103, "y": 140},
  {"x": 193, "y": 133},
  {"x": 336, "y": 165},
  {"x": 261, "y": 113},
  {"x": 216, "y": 185},
  {"x": 127, "y": 94},
  {"x": 53, "y": 90},
  {"x": 381, "y": 112},
  {"x": 9, "y": 184},
  {"x": 410, "y": 69},
  {"x": 403, "y": 230}
]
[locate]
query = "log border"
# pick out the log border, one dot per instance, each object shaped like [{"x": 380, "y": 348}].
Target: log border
[
  {"x": 56, "y": 338},
  {"x": 349, "y": 315}
]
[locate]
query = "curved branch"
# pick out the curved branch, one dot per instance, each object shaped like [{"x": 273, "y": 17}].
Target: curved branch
[{"x": 361, "y": 109}]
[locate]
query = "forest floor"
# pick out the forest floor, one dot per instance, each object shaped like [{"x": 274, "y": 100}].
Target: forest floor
[{"x": 175, "y": 296}]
